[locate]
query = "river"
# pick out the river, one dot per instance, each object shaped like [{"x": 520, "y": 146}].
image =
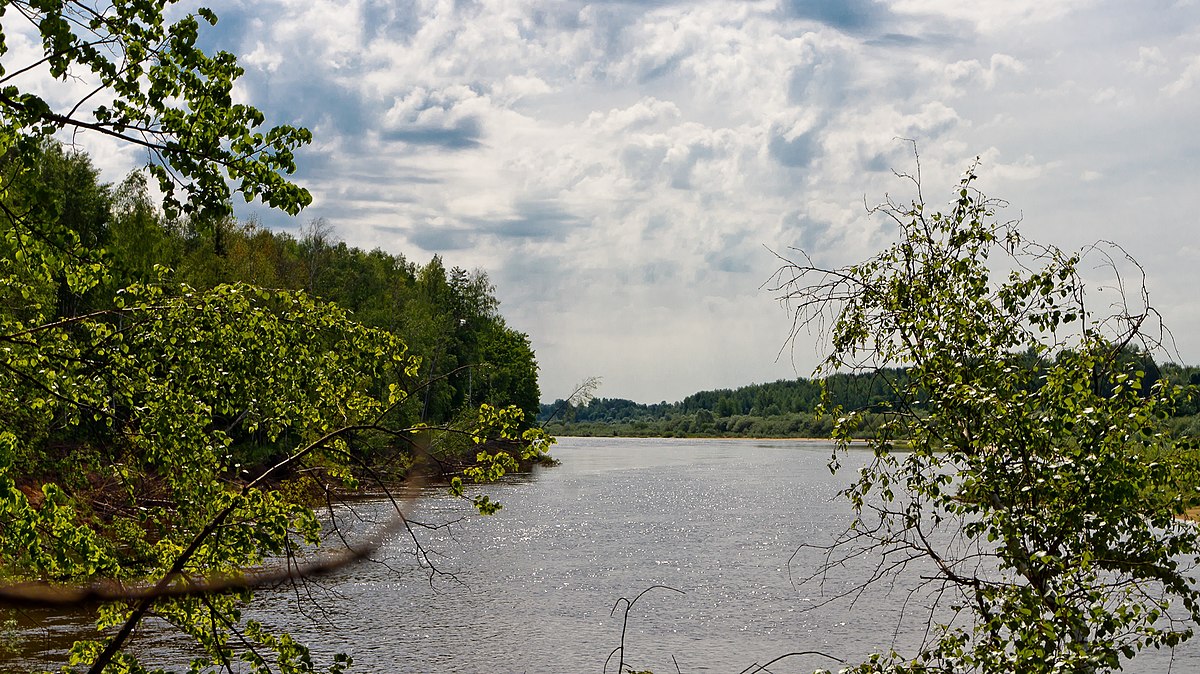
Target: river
[{"x": 531, "y": 588}]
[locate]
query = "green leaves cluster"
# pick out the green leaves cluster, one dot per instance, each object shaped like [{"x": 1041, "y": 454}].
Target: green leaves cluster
[
  {"x": 153, "y": 399},
  {"x": 155, "y": 88},
  {"x": 155, "y": 431},
  {"x": 1036, "y": 484}
]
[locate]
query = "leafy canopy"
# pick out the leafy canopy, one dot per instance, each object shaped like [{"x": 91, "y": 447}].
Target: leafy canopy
[
  {"x": 126, "y": 418},
  {"x": 1024, "y": 471},
  {"x": 151, "y": 86}
]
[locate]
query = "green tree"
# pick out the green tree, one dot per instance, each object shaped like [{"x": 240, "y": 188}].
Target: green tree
[
  {"x": 62, "y": 189},
  {"x": 152, "y": 87},
  {"x": 66, "y": 187},
  {"x": 126, "y": 425},
  {"x": 508, "y": 374},
  {"x": 139, "y": 236},
  {"x": 1039, "y": 504}
]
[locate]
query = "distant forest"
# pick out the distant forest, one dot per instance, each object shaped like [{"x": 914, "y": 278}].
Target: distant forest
[
  {"x": 788, "y": 408},
  {"x": 449, "y": 317}
]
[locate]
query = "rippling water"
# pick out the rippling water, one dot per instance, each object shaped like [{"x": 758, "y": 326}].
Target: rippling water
[{"x": 531, "y": 588}]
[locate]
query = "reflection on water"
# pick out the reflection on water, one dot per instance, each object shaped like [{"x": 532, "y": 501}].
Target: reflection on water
[{"x": 531, "y": 588}]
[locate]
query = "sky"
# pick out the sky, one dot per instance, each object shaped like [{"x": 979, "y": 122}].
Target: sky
[{"x": 626, "y": 172}]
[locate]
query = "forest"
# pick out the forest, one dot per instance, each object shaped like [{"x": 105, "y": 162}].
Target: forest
[
  {"x": 182, "y": 390},
  {"x": 789, "y": 408},
  {"x": 450, "y": 317}
]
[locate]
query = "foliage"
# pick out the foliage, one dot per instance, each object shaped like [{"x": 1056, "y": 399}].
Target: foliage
[
  {"x": 451, "y": 318},
  {"x": 150, "y": 85},
  {"x": 798, "y": 425},
  {"x": 785, "y": 408},
  {"x": 1041, "y": 504},
  {"x": 146, "y": 421},
  {"x": 147, "y": 401}
]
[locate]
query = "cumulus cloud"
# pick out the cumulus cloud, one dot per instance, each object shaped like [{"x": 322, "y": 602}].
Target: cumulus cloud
[
  {"x": 1150, "y": 61},
  {"x": 622, "y": 168},
  {"x": 1187, "y": 78},
  {"x": 997, "y": 16},
  {"x": 449, "y": 119},
  {"x": 973, "y": 71}
]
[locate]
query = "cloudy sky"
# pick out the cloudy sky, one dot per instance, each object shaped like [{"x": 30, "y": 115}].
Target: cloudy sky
[{"x": 623, "y": 169}]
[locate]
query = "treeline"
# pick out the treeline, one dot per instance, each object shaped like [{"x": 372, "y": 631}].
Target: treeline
[
  {"x": 785, "y": 408},
  {"x": 788, "y": 407},
  {"x": 458, "y": 351},
  {"x": 448, "y": 317}
]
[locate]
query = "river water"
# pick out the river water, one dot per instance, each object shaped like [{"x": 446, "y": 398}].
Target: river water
[{"x": 531, "y": 588}]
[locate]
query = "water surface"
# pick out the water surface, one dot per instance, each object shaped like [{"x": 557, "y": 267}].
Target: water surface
[{"x": 531, "y": 588}]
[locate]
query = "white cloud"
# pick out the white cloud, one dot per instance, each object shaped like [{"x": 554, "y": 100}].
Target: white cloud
[
  {"x": 1186, "y": 79},
  {"x": 514, "y": 88},
  {"x": 1026, "y": 168},
  {"x": 646, "y": 113},
  {"x": 973, "y": 71},
  {"x": 618, "y": 167},
  {"x": 995, "y": 16},
  {"x": 1150, "y": 61}
]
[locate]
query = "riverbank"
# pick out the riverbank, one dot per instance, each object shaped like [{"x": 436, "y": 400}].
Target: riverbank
[{"x": 793, "y": 426}]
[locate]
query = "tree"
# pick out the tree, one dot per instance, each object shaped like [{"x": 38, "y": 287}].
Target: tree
[
  {"x": 508, "y": 374},
  {"x": 315, "y": 241},
  {"x": 139, "y": 237},
  {"x": 63, "y": 189},
  {"x": 66, "y": 185},
  {"x": 152, "y": 87},
  {"x": 1040, "y": 505},
  {"x": 129, "y": 429}
]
